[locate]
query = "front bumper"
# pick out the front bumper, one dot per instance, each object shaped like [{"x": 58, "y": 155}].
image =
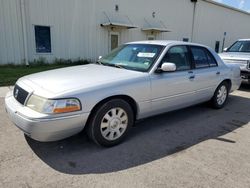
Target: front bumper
[
  {"x": 245, "y": 75},
  {"x": 43, "y": 128}
]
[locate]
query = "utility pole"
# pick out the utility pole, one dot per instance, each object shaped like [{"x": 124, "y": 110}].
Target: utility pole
[
  {"x": 193, "y": 21},
  {"x": 23, "y": 22}
]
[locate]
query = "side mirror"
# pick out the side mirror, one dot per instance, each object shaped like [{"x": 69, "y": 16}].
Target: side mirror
[
  {"x": 100, "y": 57},
  {"x": 225, "y": 49},
  {"x": 166, "y": 67}
]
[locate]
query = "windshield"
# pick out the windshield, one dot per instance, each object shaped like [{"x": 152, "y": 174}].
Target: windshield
[
  {"x": 240, "y": 46},
  {"x": 138, "y": 57}
]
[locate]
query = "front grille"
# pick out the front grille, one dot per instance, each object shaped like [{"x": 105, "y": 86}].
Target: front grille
[{"x": 20, "y": 94}]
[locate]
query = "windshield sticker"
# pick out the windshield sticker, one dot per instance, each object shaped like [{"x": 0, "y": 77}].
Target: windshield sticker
[{"x": 145, "y": 54}]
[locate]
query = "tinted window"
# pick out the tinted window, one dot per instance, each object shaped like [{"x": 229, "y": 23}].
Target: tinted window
[
  {"x": 179, "y": 56},
  {"x": 200, "y": 57},
  {"x": 240, "y": 46},
  {"x": 43, "y": 39}
]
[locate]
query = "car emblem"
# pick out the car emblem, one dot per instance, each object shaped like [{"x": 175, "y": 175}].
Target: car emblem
[{"x": 16, "y": 93}]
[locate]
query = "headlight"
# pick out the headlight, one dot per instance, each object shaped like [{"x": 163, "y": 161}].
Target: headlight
[{"x": 48, "y": 106}]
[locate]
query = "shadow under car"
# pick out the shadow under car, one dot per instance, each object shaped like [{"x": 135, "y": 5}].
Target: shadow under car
[{"x": 152, "y": 138}]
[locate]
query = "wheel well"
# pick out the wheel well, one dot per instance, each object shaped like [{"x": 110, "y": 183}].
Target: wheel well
[
  {"x": 126, "y": 98},
  {"x": 229, "y": 82}
]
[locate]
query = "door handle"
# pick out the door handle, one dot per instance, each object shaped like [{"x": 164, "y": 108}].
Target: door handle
[
  {"x": 218, "y": 73},
  {"x": 192, "y": 77}
]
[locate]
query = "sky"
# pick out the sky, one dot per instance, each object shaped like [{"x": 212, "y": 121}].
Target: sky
[{"x": 240, "y": 4}]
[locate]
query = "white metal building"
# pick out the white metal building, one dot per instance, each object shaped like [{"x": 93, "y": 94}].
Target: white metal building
[{"x": 71, "y": 29}]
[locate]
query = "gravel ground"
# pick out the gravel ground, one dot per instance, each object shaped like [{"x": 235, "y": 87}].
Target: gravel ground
[{"x": 193, "y": 147}]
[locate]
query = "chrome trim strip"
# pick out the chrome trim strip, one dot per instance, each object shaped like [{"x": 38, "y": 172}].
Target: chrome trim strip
[{"x": 49, "y": 119}]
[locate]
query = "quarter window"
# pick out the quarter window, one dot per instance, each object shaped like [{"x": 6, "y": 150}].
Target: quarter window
[
  {"x": 211, "y": 60},
  {"x": 43, "y": 39},
  {"x": 179, "y": 56}
]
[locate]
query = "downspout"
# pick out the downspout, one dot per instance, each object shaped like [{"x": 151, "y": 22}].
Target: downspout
[
  {"x": 23, "y": 22},
  {"x": 193, "y": 21}
]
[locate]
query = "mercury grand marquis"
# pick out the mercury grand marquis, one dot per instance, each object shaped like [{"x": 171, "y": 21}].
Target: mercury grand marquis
[{"x": 134, "y": 81}]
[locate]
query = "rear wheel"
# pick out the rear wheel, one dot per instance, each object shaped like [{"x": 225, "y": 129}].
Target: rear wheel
[
  {"x": 220, "y": 96},
  {"x": 111, "y": 122}
]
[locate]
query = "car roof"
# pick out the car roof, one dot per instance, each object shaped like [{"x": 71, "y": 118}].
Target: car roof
[
  {"x": 165, "y": 42},
  {"x": 244, "y": 40}
]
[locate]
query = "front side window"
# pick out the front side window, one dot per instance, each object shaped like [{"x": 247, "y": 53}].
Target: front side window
[
  {"x": 240, "y": 46},
  {"x": 43, "y": 39},
  {"x": 179, "y": 56},
  {"x": 138, "y": 57}
]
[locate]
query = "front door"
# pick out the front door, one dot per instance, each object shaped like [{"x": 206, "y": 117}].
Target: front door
[
  {"x": 151, "y": 37},
  {"x": 114, "y": 40},
  {"x": 174, "y": 90}
]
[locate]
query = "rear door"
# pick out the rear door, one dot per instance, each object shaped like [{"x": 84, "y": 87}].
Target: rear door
[{"x": 206, "y": 72}]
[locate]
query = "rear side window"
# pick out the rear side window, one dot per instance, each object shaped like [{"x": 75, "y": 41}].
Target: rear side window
[
  {"x": 179, "y": 56},
  {"x": 202, "y": 57}
]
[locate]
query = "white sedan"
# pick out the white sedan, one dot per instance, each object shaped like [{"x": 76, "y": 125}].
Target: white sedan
[{"x": 135, "y": 81}]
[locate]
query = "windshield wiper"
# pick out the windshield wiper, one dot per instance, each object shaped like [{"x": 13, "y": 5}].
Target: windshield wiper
[
  {"x": 99, "y": 63},
  {"x": 119, "y": 66},
  {"x": 113, "y": 65}
]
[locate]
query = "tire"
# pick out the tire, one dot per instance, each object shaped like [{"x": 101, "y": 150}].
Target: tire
[
  {"x": 110, "y": 123},
  {"x": 220, "y": 96}
]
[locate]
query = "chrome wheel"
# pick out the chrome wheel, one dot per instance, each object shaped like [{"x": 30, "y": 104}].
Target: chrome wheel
[
  {"x": 114, "y": 123},
  {"x": 222, "y": 95}
]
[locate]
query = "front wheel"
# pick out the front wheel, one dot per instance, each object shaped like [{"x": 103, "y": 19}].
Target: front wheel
[
  {"x": 111, "y": 122},
  {"x": 220, "y": 96}
]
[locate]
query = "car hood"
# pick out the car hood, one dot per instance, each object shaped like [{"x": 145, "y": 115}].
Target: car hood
[
  {"x": 75, "y": 78},
  {"x": 235, "y": 56}
]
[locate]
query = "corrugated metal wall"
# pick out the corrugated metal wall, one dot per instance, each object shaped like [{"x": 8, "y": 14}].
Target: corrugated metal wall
[
  {"x": 11, "y": 36},
  {"x": 76, "y": 31},
  {"x": 212, "y": 21}
]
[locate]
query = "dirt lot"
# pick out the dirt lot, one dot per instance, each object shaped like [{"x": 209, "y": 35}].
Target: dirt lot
[{"x": 193, "y": 147}]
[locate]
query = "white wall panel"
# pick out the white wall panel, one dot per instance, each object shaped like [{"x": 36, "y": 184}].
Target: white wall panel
[
  {"x": 76, "y": 31},
  {"x": 11, "y": 40},
  {"x": 212, "y": 21}
]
